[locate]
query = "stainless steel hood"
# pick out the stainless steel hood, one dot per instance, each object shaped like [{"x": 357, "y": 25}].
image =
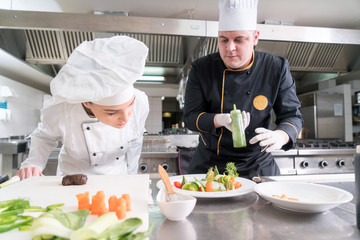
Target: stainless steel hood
[{"x": 322, "y": 53}]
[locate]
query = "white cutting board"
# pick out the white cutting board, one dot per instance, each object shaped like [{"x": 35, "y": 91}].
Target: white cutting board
[{"x": 47, "y": 190}]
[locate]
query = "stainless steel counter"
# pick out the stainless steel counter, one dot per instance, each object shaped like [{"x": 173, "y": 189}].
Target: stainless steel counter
[{"x": 251, "y": 217}]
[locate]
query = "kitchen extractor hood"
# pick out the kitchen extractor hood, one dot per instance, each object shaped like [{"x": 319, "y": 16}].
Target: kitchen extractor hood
[{"x": 174, "y": 43}]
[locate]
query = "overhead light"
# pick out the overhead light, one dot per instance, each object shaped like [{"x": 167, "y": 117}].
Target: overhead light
[
  {"x": 151, "y": 79},
  {"x": 162, "y": 98}
]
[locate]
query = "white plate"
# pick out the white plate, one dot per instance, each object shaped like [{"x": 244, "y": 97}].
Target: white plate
[
  {"x": 247, "y": 186},
  {"x": 312, "y": 197}
]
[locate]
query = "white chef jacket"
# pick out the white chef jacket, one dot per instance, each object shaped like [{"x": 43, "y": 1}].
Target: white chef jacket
[{"x": 89, "y": 146}]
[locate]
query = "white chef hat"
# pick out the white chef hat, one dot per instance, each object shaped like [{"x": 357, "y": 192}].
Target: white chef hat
[
  {"x": 236, "y": 15},
  {"x": 101, "y": 71}
]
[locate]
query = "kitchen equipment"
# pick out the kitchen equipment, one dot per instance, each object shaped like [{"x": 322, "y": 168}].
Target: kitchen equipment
[
  {"x": 46, "y": 190},
  {"x": 12, "y": 180},
  {"x": 357, "y": 97},
  {"x": 357, "y": 185},
  {"x": 165, "y": 178},
  {"x": 311, "y": 197},
  {"x": 323, "y": 115},
  {"x": 4, "y": 178},
  {"x": 247, "y": 186},
  {"x": 318, "y": 156},
  {"x": 178, "y": 210}
]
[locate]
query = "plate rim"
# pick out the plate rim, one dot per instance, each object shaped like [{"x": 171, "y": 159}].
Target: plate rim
[{"x": 224, "y": 194}]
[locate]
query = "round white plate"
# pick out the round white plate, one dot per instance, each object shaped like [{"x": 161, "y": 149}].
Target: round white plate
[
  {"x": 247, "y": 186},
  {"x": 312, "y": 197}
]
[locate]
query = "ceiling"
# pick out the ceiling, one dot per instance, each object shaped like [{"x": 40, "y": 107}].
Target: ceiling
[{"x": 170, "y": 54}]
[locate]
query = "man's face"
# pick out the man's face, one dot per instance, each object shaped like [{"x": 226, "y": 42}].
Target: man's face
[
  {"x": 116, "y": 116},
  {"x": 236, "y": 47}
]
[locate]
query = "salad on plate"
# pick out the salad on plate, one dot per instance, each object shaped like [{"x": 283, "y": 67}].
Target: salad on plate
[{"x": 213, "y": 181}]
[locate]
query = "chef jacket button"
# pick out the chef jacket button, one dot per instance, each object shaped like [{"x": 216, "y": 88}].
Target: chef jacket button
[
  {"x": 225, "y": 93},
  {"x": 95, "y": 165},
  {"x": 248, "y": 72},
  {"x": 117, "y": 158},
  {"x": 88, "y": 128},
  {"x": 94, "y": 154},
  {"x": 121, "y": 147},
  {"x": 248, "y": 92}
]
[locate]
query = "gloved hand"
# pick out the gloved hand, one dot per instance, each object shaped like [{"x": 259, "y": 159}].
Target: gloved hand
[
  {"x": 225, "y": 120},
  {"x": 222, "y": 119},
  {"x": 273, "y": 140}
]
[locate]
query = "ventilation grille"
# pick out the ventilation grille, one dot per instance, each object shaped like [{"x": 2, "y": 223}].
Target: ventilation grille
[
  {"x": 54, "y": 47},
  {"x": 163, "y": 49},
  {"x": 313, "y": 56}
]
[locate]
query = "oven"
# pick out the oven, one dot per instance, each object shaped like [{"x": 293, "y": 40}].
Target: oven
[{"x": 323, "y": 156}]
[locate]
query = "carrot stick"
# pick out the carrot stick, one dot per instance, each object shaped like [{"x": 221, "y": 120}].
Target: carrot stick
[
  {"x": 112, "y": 203},
  {"x": 83, "y": 201},
  {"x": 120, "y": 212},
  {"x": 128, "y": 201}
]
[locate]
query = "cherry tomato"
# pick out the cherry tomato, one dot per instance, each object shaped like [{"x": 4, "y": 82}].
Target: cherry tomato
[{"x": 177, "y": 184}]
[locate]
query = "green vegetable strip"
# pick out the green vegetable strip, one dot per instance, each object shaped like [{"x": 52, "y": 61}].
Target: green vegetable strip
[
  {"x": 13, "y": 212},
  {"x": 20, "y": 221}
]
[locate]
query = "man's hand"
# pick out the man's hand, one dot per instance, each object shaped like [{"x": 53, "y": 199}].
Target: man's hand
[
  {"x": 27, "y": 172},
  {"x": 274, "y": 140},
  {"x": 224, "y": 119}
]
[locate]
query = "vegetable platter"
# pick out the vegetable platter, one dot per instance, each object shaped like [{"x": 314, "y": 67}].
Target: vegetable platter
[{"x": 46, "y": 190}]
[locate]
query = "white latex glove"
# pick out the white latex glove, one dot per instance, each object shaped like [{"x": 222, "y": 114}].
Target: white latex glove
[
  {"x": 225, "y": 120},
  {"x": 273, "y": 140}
]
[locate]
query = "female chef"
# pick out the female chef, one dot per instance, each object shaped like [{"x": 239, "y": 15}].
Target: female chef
[{"x": 95, "y": 112}]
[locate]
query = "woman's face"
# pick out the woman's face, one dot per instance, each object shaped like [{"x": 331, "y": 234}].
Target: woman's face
[
  {"x": 116, "y": 116},
  {"x": 236, "y": 47}
]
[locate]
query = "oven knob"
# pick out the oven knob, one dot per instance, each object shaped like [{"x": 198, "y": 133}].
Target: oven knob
[
  {"x": 304, "y": 164},
  {"x": 340, "y": 163},
  {"x": 143, "y": 167},
  {"x": 323, "y": 164},
  {"x": 165, "y": 166}
]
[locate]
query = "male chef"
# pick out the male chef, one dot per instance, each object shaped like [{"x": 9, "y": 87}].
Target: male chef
[
  {"x": 95, "y": 112},
  {"x": 256, "y": 82}
]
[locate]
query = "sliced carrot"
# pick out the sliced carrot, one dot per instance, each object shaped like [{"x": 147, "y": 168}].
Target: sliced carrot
[
  {"x": 98, "y": 203},
  {"x": 233, "y": 179},
  {"x": 128, "y": 201},
  {"x": 83, "y": 201},
  {"x": 112, "y": 203},
  {"x": 209, "y": 187},
  {"x": 237, "y": 185},
  {"x": 120, "y": 208},
  {"x": 103, "y": 210},
  {"x": 294, "y": 199},
  {"x": 120, "y": 212}
]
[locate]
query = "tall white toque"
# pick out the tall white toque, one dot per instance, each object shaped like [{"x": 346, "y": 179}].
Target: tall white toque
[{"x": 237, "y": 15}]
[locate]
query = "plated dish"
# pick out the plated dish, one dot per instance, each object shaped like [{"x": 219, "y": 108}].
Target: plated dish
[
  {"x": 311, "y": 198},
  {"x": 247, "y": 186}
]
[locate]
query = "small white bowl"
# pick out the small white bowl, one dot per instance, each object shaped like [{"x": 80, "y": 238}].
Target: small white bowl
[{"x": 178, "y": 210}]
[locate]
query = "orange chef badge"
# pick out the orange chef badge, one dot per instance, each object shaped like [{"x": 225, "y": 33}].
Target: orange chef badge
[{"x": 260, "y": 102}]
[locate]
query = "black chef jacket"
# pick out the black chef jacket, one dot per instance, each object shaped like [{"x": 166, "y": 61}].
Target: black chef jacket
[{"x": 212, "y": 88}]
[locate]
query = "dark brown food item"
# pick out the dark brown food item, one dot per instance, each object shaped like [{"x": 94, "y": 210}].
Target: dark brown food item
[{"x": 75, "y": 179}]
